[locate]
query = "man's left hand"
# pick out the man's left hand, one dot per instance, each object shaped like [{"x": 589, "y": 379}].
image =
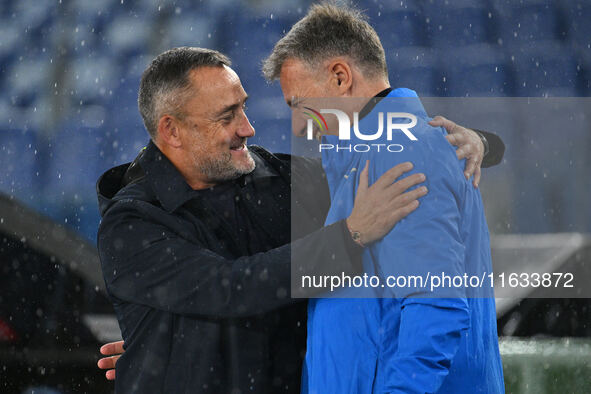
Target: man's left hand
[
  {"x": 113, "y": 351},
  {"x": 470, "y": 146}
]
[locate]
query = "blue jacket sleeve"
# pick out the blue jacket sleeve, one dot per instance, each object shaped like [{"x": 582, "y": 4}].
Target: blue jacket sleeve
[
  {"x": 428, "y": 242},
  {"x": 429, "y": 338}
]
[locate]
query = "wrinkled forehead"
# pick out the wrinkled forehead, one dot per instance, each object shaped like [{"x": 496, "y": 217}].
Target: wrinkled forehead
[
  {"x": 214, "y": 88},
  {"x": 214, "y": 78},
  {"x": 298, "y": 79}
]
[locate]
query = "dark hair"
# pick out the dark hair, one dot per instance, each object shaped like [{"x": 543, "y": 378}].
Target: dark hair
[
  {"x": 165, "y": 82},
  {"x": 329, "y": 30}
]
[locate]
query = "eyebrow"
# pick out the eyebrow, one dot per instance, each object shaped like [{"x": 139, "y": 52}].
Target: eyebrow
[{"x": 231, "y": 108}]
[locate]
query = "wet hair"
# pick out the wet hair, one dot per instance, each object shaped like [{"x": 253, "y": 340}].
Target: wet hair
[
  {"x": 327, "y": 31},
  {"x": 165, "y": 83}
]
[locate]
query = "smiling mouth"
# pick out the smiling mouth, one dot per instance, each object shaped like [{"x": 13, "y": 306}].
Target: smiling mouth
[{"x": 239, "y": 147}]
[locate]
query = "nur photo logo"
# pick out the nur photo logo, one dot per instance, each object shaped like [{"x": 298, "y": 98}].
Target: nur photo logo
[{"x": 395, "y": 122}]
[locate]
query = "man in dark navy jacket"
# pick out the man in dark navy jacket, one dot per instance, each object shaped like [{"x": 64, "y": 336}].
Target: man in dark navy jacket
[{"x": 195, "y": 238}]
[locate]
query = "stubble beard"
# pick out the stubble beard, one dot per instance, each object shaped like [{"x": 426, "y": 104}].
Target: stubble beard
[{"x": 221, "y": 168}]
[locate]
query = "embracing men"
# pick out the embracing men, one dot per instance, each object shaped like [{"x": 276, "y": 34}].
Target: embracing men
[{"x": 195, "y": 237}]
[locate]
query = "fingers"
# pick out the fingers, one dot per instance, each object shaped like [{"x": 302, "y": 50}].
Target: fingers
[
  {"x": 110, "y": 374},
  {"x": 471, "y": 165},
  {"x": 392, "y": 174},
  {"x": 457, "y": 139},
  {"x": 112, "y": 348},
  {"x": 408, "y": 197},
  {"x": 404, "y": 184},
  {"x": 404, "y": 200},
  {"x": 476, "y": 180},
  {"x": 463, "y": 151},
  {"x": 437, "y": 118},
  {"x": 460, "y": 140},
  {"x": 364, "y": 178},
  {"x": 453, "y": 139},
  {"x": 440, "y": 121},
  {"x": 107, "y": 362},
  {"x": 401, "y": 213}
]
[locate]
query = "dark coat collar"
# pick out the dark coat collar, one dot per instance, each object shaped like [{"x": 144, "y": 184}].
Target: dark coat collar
[
  {"x": 170, "y": 187},
  {"x": 166, "y": 181}
]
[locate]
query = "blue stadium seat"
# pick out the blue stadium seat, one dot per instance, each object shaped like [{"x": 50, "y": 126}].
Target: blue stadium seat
[
  {"x": 125, "y": 135},
  {"x": 36, "y": 16},
  {"x": 29, "y": 78},
  {"x": 78, "y": 150},
  {"x": 208, "y": 8},
  {"x": 146, "y": 10},
  {"x": 477, "y": 70},
  {"x": 86, "y": 40},
  {"x": 20, "y": 153},
  {"x": 248, "y": 37},
  {"x": 399, "y": 24},
  {"x": 80, "y": 214},
  {"x": 5, "y": 8},
  {"x": 415, "y": 68},
  {"x": 75, "y": 159},
  {"x": 91, "y": 80},
  {"x": 547, "y": 68},
  {"x": 6, "y": 112},
  {"x": 18, "y": 160},
  {"x": 128, "y": 34},
  {"x": 124, "y": 139},
  {"x": 528, "y": 20},
  {"x": 10, "y": 37},
  {"x": 579, "y": 17},
  {"x": 126, "y": 91},
  {"x": 190, "y": 28},
  {"x": 124, "y": 130},
  {"x": 458, "y": 23},
  {"x": 92, "y": 11},
  {"x": 91, "y": 8},
  {"x": 90, "y": 19}
]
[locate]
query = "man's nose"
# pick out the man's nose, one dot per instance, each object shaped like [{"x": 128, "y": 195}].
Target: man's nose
[{"x": 245, "y": 130}]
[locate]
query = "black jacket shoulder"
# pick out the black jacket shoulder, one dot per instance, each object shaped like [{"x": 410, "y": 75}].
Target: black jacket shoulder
[{"x": 124, "y": 182}]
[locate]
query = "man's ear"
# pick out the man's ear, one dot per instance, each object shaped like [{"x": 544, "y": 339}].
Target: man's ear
[
  {"x": 169, "y": 132},
  {"x": 341, "y": 76}
]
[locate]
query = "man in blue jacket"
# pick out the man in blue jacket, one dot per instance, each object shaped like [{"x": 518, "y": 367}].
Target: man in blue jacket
[
  {"x": 409, "y": 338},
  {"x": 190, "y": 248}
]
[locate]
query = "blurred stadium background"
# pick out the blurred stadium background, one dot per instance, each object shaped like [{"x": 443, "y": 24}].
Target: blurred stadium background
[{"x": 70, "y": 70}]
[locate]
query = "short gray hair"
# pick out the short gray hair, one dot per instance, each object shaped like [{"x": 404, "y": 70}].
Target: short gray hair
[
  {"x": 165, "y": 83},
  {"x": 329, "y": 30}
]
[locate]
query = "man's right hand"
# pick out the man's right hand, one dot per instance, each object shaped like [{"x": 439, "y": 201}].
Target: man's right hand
[
  {"x": 379, "y": 207},
  {"x": 113, "y": 350}
]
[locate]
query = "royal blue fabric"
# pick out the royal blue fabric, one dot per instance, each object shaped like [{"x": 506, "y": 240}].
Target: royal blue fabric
[{"x": 411, "y": 340}]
